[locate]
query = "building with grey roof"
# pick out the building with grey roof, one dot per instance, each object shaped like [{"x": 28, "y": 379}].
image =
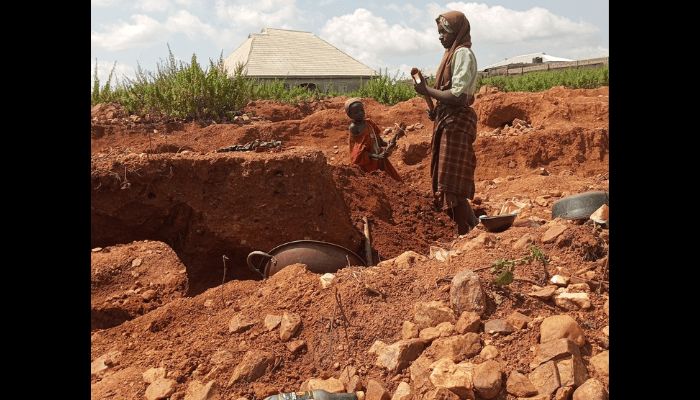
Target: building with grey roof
[{"x": 300, "y": 59}]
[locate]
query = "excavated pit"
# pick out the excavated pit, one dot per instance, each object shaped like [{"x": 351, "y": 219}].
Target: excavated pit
[{"x": 214, "y": 205}]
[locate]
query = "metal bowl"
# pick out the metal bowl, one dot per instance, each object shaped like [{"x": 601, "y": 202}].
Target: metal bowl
[
  {"x": 319, "y": 257},
  {"x": 579, "y": 206},
  {"x": 498, "y": 223}
]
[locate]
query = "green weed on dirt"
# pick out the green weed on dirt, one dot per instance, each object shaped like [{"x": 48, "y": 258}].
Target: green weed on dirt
[{"x": 574, "y": 78}]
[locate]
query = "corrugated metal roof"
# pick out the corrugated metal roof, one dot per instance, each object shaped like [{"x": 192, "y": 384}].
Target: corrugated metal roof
[
  {"x": 525, "y": 59},
  {"x": 285, "y": 53}
]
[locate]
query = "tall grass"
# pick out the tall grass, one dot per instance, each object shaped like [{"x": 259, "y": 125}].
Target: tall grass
[
  {"x": 574, "y": 78},
  {"x": 386, "y": 89}
]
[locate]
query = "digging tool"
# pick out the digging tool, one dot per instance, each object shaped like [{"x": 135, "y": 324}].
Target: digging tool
[
  {"x": 418, "y": 78},
  {"x": 392, "y": 142}
]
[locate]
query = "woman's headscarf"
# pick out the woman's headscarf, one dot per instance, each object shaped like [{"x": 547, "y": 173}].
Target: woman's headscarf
[{"x": 452, "y": 21}]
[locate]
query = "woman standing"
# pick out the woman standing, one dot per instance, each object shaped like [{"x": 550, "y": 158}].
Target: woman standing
[{"x": 453, "y": 159}]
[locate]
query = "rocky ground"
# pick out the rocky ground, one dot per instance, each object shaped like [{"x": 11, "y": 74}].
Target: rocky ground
[{"x": 177, "y": 314}]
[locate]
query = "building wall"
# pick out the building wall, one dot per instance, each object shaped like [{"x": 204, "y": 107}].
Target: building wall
[{"x": 325, "y": 84}]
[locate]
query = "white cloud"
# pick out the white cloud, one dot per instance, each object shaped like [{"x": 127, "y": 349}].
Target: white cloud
[
  {"x": 584, "y": 52},
  {"x": 258, "y": 14},
  {"x": 498, "y": 24},
  {"x": 190, "y": 25},
  {"x": 143, "y": 31},
  {"x": 104, "y": 68},
  {"x": 368, "y": 37},
  {"x": 152, "y": 5}
]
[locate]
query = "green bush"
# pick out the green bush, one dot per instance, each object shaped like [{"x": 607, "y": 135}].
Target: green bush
[
  {"x": 574, "y": 78},
  {"x": 189, "y": 91},
  {"x": 386, "y": 89}
]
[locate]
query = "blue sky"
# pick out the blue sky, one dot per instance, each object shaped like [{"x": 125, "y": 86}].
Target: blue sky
[{"x": 393, "y": 35}]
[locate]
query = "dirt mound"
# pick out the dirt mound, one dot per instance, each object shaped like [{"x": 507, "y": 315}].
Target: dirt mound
[
  {"x": 208, "y": 206},
  {"x": 553, "y": 108},
  {"x": 398, "y": 213},
  {"x": 107, "y": 111},
  {"x": 275, "y": 111},
  {"x": 192, "y": 338},
  {"x": 131, "y": 280}
]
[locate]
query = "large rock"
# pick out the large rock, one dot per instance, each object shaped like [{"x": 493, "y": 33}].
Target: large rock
[
  {"x": 376, "y": 391},
  {"x": 272, "y": 321},
  {"x": 427, "y": 314},
  {"x": 443, "y": 329},
  {"x": 152, "y": 374},
  {"x": 409, "y": 330},
  {"x": 553, "y": 233},
  {"x": 600, "y": 363},
  {"x": 519, "y": 385},
  {"x": 558, "y": 348},
  {"x": 397, "y": 356},
  {"x": 524, "y": 241},
  {"x": 161, "y": 388},
  {"x": 448, "y": 375},
  {"x": 561, "y": 326},
  {"x": 105, "y": 361},
  {"x": 487, "y": 379},
  {"x": 456, "y": 348},
  {"x": 563, "y": 393},
  {"x": 197, "y": 391},
  {"x": 331, "y": 385},
  {"x": 239, "y": 323},
  {"x": 404, "y": 260},
  {"x": 252, "y": 366},
  {"x": 403, "y": 392},
  {"x": 489, "y": 352},
  {"x": 592, "y": 389},
  {"x": 420, "y": 375},
  {"x": 544, "y": 293},
  {"x": 466, "y": 293},
  {"x": 289, "y": 325},
  {"x": 350, "y": 379},
  {"x": 571, "y": 371},
  {"x": 518, "y": 320},
  {"x": 468, "y": 321},
  {"x": 545, "y": 378},
  {"x": 499, "y": 326},
  {"x": 573, "y": 301},
  {"x": 440, "y": 394}
]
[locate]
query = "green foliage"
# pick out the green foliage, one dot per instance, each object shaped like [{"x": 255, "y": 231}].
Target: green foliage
[
  {"x": 190, "y": 91},
  {"x": 386, "y": 89},
  {"x": 574, "y": 78},
  {"x": 503, "y": 268}
]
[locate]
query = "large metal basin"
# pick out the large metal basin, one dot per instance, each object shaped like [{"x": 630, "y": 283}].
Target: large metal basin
[
  {"x": 319, "y": 257},
  {"x": 579, "y": 206}
]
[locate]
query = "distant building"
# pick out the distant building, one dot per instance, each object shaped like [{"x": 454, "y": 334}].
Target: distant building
[
  {"x": 300, "y": 58},
  {"x": 525, "y": 60}
]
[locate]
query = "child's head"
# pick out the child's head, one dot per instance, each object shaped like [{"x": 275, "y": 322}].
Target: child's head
[{"x": 354, "y": 109}]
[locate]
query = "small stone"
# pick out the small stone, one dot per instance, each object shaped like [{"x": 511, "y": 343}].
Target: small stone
[
  {"x": 136, "y": 262},
  {"x": 559, "y": 280},
  {"x": 518, "y": 320},
  {"x": 489, "y": 352},
  {"x": 150, "y": 375},
  {"x": 498, "y": 326},
  {"x": 149, "y": 294},
  {"x": 295, "y": 345}
]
